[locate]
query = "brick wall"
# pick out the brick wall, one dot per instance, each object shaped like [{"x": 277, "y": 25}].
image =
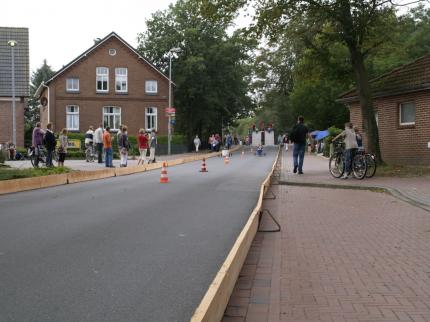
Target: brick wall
[
  {"x": 91, "y": 103},
  {"x": 6, "y": 128},
  {"x": 401, "y": 144}
]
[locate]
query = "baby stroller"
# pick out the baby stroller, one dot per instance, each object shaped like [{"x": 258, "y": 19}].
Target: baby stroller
[{"x": 260, "y": 151}]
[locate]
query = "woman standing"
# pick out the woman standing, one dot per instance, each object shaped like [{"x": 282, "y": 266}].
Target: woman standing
[
  {"x": 197, "y": 143},
  {"x": 62, "y": 149},
  {"x": 125, "y": 145},
  {"x": 143, "y": 146}
]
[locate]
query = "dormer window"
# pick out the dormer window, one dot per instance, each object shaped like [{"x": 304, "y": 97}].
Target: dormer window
[{"x": 72, "y": 84}]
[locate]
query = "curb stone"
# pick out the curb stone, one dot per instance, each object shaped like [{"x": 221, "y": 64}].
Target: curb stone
[
  {"x": 398, "y": 194},
  {"x": 32, "y": 183}
]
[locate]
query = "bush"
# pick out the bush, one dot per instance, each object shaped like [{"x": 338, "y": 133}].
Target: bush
[{"x": 333, "y": 132}]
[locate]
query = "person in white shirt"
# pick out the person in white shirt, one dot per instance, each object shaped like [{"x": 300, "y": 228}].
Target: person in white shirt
[
  {"x": 351, "y": 147},
  {"x": 197, "y": 143},
  {"x": 98, "y": 141},
  {"x": 89, "y": 140}
]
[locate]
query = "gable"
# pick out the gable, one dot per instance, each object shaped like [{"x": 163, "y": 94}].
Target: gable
[{"x": 111, "y": 38}]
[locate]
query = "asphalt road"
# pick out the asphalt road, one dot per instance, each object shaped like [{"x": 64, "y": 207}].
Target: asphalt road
[{"x": 125, "y": 248}]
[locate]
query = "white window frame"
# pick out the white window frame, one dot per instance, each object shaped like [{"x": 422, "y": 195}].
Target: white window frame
[
  {"x": 100, "y": 76},
  {"x": 400, "y": 114},
  {"x": 72, "y": 84},
  {"x": 116, "y": 115},
  {"x": 150, "y": 89},
  {"x": 74, "y": 116},
  {"x": 120, "y": 78},
  {"x": 153, "y": 114}
]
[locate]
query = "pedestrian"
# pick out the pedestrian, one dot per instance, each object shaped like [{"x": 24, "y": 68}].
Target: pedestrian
[
  {"x": 218, "y": 142},
  {"x": 298, "y": 136},
  {"x": 197, "y": 143},
  {"x": 107, "y": 146},
  {"x": 285, "y": 139},
  {"x": 125, "y": 146},
  {"x": 152, "y": 146},
  {"x": 118, "y": 139},
  {"x": 228, "y": 141},
  {"x": 89, "y": 143},
  {"x": 143, "y": 146},
  {"x": 359, "y": 138},
  {"x": 214, "y": 144},
  {"x": 98, "y": 141},
  {"x": 211, "y": 138},
  {"x": 280, "y": 141},
  {"x": 37, "y": 142},
  {"x": 62, "y": 149},
  {"x": 351, "y": 147},
  {"x": 50, "y": 143}
]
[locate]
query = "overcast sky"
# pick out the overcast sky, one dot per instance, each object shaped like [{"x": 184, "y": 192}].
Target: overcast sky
[{"x": 62, "y": 30}]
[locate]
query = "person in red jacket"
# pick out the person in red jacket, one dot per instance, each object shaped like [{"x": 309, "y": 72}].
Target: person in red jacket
[{"x": 143, "y": 146}]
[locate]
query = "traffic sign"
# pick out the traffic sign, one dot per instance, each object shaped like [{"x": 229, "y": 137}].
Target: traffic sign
[{"x": 170, "y": 110}]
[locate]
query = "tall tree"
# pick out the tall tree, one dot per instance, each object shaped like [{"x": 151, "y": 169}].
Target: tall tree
[
  {"x": 31, "y": 112},
  {"x": 361, "y": 25},
  {"x": 211, "y": 72}
]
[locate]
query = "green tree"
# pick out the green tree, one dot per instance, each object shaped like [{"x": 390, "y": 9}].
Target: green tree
[
  {"x": 359, "y": 25},
  {"x": 211, "y": 72},
  {"x": 31, "y": 112}
]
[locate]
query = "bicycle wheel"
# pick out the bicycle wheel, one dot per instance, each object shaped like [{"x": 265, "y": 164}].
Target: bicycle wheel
[
  {"x": 371, "y": 165},
  {"x": 32, "y": 156},
  {"x": 336, "y": 165},
  {"x": 359, "y": 167}
]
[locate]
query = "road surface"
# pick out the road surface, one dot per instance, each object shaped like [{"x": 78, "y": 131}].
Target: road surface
[{"x": 125, "y": 248}]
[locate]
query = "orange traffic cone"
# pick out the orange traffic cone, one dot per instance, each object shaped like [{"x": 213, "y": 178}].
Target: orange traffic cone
[
  {"x": 163, "y": 177},
  {"x": 203, "y": 166},
  {"x": 226, "y": 160}
]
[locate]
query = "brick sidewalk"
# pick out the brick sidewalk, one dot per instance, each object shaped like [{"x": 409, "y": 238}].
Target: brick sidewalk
[
  {"x": 342, "y": 255},
  {"x": 415, "y": 189}
]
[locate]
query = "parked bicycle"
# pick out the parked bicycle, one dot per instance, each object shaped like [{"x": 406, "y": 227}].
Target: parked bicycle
[
  {"x": 337, "y": 163},
  {"x": 42, "y": 156},
  {"x": 370, "y": 162}
]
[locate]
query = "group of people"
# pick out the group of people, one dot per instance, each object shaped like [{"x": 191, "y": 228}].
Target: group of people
[
  {"x": 46, "y": 138},
  {"x": 215, "y": 141},
  {"x": 351, "y": 136},
  {"x": 101, "y": 140}
]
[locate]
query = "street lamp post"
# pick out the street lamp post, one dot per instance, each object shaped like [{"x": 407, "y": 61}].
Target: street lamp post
[
  {"x": 169, "y": 125},
  {"x": 12, "y": 44}
]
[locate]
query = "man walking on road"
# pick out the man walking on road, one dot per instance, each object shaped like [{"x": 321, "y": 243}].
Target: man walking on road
[{"x": 298, "y": 136}]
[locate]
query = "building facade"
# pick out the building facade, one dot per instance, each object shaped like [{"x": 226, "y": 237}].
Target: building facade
[
  {"x": 402, "y": 111},
  {"x": 22, "y": 82},
  {"x": 109, "y": 84}
]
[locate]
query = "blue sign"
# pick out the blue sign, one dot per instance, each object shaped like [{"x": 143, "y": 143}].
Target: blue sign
[{"x": 173, "y": 122}]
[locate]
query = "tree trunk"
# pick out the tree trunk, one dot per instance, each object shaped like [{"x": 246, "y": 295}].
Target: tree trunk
[{"x": 366, "y": 103}]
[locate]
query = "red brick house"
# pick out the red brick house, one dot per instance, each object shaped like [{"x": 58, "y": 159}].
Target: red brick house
[
  {"x": 110, "y": 83},
  {"x": 402, "y": 111},
  {"x": 22, "y": 83}
]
